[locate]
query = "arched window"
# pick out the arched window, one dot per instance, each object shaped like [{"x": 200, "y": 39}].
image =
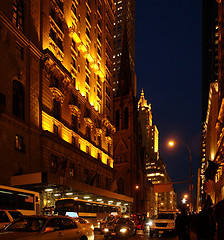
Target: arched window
[
  {"x": 18, "y": 100},
  {"x": 117, "y": 119},
  {"x": 125, "y": 118},
  {"x": 17, "y": 17}
]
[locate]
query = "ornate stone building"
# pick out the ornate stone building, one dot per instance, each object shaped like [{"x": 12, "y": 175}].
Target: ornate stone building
[{"x": 56, "y": 99}]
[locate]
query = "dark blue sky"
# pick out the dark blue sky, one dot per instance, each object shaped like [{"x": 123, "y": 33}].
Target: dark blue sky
[{"x": 168, "y": 68}]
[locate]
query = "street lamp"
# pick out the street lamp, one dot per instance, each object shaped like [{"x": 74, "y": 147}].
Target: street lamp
[{"x": 172, "y": 143}]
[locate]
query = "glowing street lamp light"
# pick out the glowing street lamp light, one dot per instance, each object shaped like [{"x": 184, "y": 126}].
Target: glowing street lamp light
[{"x": 171, "y": 144}]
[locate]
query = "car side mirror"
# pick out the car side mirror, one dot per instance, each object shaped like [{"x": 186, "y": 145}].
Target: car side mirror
[{"x": 49, "y": 229}]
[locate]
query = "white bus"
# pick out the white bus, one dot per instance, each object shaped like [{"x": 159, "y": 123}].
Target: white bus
[
  {"x": 25, "y": 201},
  {"x": 94, "y": 212}
]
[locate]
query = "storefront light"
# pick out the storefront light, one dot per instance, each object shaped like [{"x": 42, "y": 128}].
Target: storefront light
[{"x": 48, "y": 190}]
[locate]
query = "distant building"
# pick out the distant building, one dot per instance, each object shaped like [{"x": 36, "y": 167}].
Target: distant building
[{"x": 154, "y": 167}]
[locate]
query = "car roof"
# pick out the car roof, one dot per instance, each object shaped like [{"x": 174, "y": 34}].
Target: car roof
[
  {"x": 46, "y": 216},
  {"x": 13, "y": 210}
]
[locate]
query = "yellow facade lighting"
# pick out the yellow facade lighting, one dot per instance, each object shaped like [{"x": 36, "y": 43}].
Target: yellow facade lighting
[
  {"x": 82, "y": 48},
  {"x": 89, "y": 57},
  {"x": 94, "y": 66},
  {"x": 76, "y": 38}
]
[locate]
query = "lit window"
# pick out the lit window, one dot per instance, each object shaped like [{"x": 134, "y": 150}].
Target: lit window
[
  {"x": 19, "y": 144},
  {"x": 17, "y": 17}
]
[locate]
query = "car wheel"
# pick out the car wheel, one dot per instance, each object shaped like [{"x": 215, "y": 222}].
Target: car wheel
[{"x": 83, "y": 238}]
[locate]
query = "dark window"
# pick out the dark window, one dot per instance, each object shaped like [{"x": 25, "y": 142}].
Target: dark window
[
  {"x": 87, "y": 79},
  {"x": 74, "y": 62},
  {"x": 99, "y": 141},
  {"x": 86, "y": 176},
  {"x": 98, "y": 180},
  {"x": 72, "y": 170},
  {"x": 17, "y": 17},
  {"x": 87, "y": 149},
  {"x": 88, "y": 133},
  {"x": 54, "y": 162},
  {"x": 56, "y": 109},
  {"x": 3, "y": 217},
  {"x": 73, "y": 141},
  {"x": 55, "y": 129},
  {"x": 18, "y": 99},
  {"x": 19, "y": 144},
  {"x": 99, "y": 156},
  {"x": 60, "y": 4},
  {"x": 74, "y": 123},
  {"x": 68, "y": 223},
  {"x": 19, "y": 51},
  {"x": 17, "y": 214},
  {"x": 54, "y": 223},
  {"x": 2, "y": 103},
  {"x": 25, "y": 201},
  {"x": 125, "y": 118},
  {"x": 107, "y": 183}
]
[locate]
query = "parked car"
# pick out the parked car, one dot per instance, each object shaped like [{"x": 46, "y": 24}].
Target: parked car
[
  {"x": 103, "y": 223},
  {"x": 122, "y": 227},
  {"x": 162, "y": 223},
  {"x": 7, "y": 216},
  {"x": 44, "y": 227}
]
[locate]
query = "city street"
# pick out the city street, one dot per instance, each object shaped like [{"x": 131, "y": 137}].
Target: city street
[{"x": 145, "y": 236}]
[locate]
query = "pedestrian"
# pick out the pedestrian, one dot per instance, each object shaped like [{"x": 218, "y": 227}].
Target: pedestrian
[
  {"x": 182, "y": 225},
  {"x": 205, "y": 225},
  {"x": 219, "y": 217}
]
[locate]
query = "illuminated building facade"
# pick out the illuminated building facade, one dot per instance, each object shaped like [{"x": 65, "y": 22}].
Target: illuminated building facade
[
  {"x": 155, "y": 169},
  {"x": 124, "y": 18},
  {"x": 212, "y": 162},
  {"x": 209, "y": 91},
  {"x": 56, "y": 97}
]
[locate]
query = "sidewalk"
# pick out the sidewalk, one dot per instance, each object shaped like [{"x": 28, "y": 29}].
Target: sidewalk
[{"x": 193, "y": 236}]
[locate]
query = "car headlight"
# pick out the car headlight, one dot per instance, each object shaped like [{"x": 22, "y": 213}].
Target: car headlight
[
  {"x": 123, "y": 230},
  {"x": 106, "y": 230},
  {"x": 150, "y": 223}
]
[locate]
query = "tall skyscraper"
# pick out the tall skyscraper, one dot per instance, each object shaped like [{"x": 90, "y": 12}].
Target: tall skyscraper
[{"x": 124, "y": 18}]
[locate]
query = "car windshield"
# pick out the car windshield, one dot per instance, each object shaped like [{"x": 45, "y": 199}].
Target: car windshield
[
  {"x": 165, "y": 216},
  {"x": 15, "y": 215},
  {"x": 27, "y": 224},
  {"x": 122, "y": 221}
]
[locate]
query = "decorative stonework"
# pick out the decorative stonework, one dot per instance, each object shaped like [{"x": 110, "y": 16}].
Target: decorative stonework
[
  {"x": 56, "y": 50},
  {"x": 57, "y": 94},
  {"x": 75, "y": 110},
  {"x": 88, "y": 121}
]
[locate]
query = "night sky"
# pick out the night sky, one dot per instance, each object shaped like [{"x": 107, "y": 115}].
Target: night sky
[{"x": 168, "y": 68}]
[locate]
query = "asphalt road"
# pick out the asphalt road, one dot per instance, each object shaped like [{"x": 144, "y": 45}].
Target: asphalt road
[{"x": 145, "y": 236}]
